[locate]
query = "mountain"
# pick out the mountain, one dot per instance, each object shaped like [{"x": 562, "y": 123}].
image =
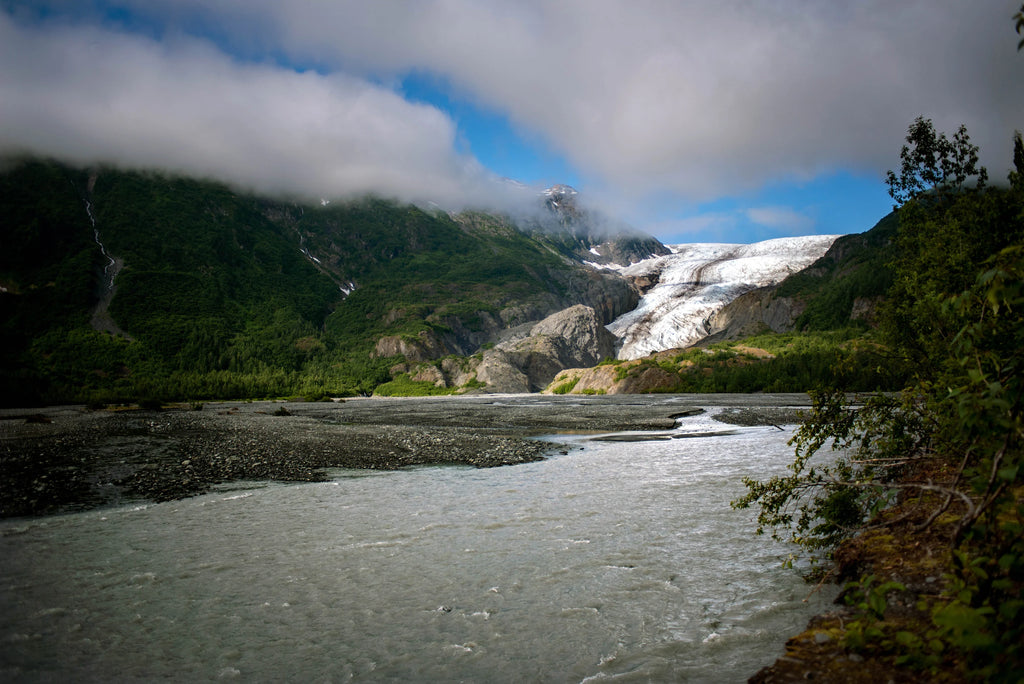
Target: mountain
[
  {"x": 684, "y": 290},
  {"x": 123, "y": 285},
  {"x": 586, "y": 234},
  {"x": 814, "y": 327},
  {"x": 119, "y": 284},
  {"x": 844, "y": 287}
]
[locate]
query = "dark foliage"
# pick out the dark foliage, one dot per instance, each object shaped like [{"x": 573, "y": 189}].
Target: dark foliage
[
  {"x": 954, "y": 318},
  {"x": 223, "y": 294}
]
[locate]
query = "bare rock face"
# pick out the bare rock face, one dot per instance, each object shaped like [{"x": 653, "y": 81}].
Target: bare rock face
[
  {"x": 752, "y": 313},
  {"x": 571, "y": 338},
  {"x": 501, "y": 374},
  {"x": 431, "y": 374},
  {"x": 866, "y": 309},
  {"x": 450, "y": 372},
  {"x": 423, "y": 347},
  {"x": 458, "y": 372},
  {"x": 578, "y": 335},
  {"x": 526, "y": 362},
  {"x": 611, "y": 379}
]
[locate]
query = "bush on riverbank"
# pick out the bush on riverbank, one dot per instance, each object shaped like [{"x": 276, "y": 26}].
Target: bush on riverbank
[{"x": 947, "y": 455}]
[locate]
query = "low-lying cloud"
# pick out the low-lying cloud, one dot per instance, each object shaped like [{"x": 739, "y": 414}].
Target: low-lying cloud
[
  {"x": 785, "y": 219},
  {"x": 90, "y": 95},
  {"x": 697, "y": 100}
]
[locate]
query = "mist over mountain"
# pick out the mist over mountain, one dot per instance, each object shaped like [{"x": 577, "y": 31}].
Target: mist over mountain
[
  {"x": 219, "y": 292},
  {"x": 588, "y": 234}
]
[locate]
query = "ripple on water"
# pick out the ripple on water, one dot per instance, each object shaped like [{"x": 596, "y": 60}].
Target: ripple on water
[{"x": 619, "y": 560}]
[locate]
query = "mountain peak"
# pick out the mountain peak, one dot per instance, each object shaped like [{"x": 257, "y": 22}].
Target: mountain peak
[{"x": 560, "y": 191}]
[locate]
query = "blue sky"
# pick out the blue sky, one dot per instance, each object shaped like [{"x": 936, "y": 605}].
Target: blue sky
[
  {"x": 836, "y": 203},
  {"x": 727, "y": 121}
]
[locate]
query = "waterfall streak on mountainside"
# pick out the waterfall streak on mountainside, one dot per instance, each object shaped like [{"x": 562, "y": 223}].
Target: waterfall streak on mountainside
[
  {"x": 699, "y": 279},
  {"x": 109, "y": 269},
  {"x": 345, "y": 287},
  {"x": 101, "y": 319}
]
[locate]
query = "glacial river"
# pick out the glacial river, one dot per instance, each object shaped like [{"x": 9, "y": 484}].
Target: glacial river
[{"x": 619, "y": 561}]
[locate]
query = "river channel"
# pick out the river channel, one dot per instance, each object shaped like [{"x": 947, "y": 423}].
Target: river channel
[{"x": 615, "y": 561}]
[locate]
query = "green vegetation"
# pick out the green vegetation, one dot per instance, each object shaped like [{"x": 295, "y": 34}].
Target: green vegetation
[
  {"x": 942, "y": 459},
  {"x": 787, "y": 362},
  {"x": 405, "y": 386},
  {"x": 565, "y": 387},
  {"x": 226, "y": 295},
  {"x": 857, "y": 268}
]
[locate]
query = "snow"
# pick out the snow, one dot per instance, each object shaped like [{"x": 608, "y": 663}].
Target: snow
[
  {"x": 560, "y": 189},
  {"x": 699, "y": 279}
]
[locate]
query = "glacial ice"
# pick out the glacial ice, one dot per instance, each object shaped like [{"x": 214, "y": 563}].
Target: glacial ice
[{"x": 699, "y": 279}]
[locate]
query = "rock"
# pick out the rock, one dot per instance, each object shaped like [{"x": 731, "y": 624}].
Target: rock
[
  {"x": 423, "y": 347},
  {"x": 583, "y": 339},
  {"x": 498, "y": 371},
  {"x": 571, "y": 338},
  {"x": 431, "y": 374},
  {"x": 752, "y": 313},
  {"x": 459, "y": 371},
  {"x": 866, "y": 309},
  {"x": 617, "y": 378}
]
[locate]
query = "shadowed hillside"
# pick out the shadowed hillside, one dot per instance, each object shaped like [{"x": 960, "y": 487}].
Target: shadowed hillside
[{"x": 222, "y": 293}]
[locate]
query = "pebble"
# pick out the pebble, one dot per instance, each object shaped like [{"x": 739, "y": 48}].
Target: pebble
[{"x": 184, "y": 453}]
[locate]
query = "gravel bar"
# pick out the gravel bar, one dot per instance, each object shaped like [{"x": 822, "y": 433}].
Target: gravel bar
[{"x": 68, "y": 458}]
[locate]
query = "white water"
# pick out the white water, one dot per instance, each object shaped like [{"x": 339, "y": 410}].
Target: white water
[
  {"x": 109, "y": 268},
  {"x": 619, "y": 561}
]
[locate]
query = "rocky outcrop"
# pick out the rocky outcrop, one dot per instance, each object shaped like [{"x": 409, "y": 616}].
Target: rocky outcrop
[
  {"x": 614, "y": 379},
  {"x": 423, "y": 347},
  {"x": 752, "y": 313},
  {"x": 499, "y": 371},
  {"x": 525, "y": 362},
  {"x": 577, "y": 334},
  {"x": 571, "y": 338},
  {"x": 450, "y": 372},
  {"x": 866, "y": 309},
  {"x": 608, "y": 295},
  {"x": 624, "y": 250}
]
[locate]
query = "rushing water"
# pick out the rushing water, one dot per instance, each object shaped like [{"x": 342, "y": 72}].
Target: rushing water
[{"x": 619, "y": 561}]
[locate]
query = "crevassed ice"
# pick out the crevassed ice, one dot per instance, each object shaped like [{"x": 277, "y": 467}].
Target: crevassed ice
[{"x": 699, "y": 279}]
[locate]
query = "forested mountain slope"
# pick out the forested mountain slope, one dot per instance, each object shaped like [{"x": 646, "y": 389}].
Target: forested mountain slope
[
  {"x": 841, "y": 289},
  {"x": 222, "y": 293}
]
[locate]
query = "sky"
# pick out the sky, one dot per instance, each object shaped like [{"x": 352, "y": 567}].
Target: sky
[{"x": 725, "y": 121}]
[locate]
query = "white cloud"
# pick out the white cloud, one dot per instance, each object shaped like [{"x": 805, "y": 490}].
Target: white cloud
[
  {"x": 88, "y": 94},
  {"x": 700, "y": 100},
  {"x": 784, "y": 219}
]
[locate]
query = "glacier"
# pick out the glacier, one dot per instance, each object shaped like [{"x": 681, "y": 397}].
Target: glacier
[{"x": 697, "y": 280}]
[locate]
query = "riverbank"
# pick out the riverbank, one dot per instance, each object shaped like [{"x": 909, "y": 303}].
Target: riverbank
[
  {"x": 903, "y": 560},
  {"x": 67, "y": 458}
]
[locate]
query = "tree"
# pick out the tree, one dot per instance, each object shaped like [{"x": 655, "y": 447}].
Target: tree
[
  {"x": 951, "y": 447},
  {"x": 1019, "y": 18},
  {"x": 933, "y": 164}
]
